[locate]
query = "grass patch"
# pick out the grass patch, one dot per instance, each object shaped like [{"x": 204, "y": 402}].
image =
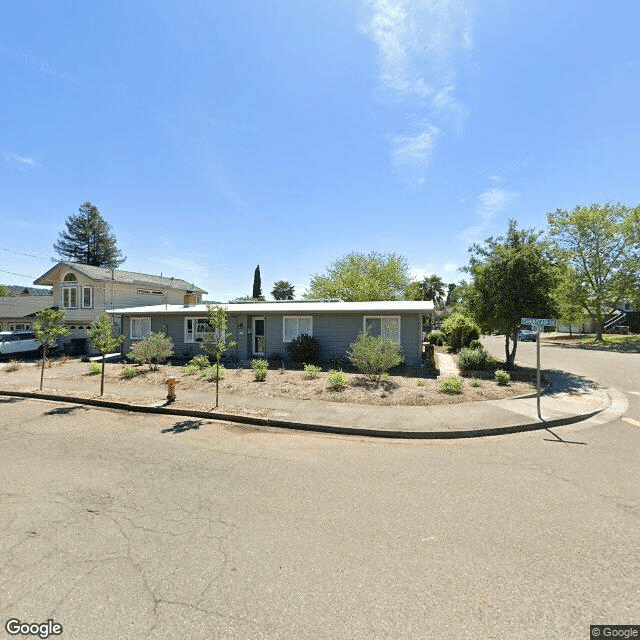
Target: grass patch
[
  {"x": 14, "y": 365},
  {"x": 609, "y": 339},
  {"x": 312, "y": 370}
]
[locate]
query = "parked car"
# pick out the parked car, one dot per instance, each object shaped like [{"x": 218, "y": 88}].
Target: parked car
[
  {"x": 525, "y": 335},
  {"x": 18, "y": 343}
]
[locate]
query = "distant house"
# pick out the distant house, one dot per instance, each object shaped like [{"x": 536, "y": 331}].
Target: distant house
[
  {"x": 19, "y": 312},
  {"x": 85, "y": 291},
  {"x": 266, "y": 328}
]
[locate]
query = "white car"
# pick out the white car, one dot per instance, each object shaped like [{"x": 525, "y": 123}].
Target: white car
[{"x": 18, "y": 342}]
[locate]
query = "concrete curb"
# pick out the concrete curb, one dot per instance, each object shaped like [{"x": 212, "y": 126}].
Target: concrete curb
[{"x": 302, "y": 426}]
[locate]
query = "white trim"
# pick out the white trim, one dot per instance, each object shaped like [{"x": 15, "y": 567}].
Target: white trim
[
  {"x": 297, "y": 318},
  {"x": 90, "y": 290},
  {"x": 197, "y": 335},
  {"x": 381, "y": 318},
  {"x": 70, "y": 289},
  {"x": 141, "y": 335}
]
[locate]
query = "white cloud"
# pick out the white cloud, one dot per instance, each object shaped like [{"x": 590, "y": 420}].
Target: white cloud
[
  {"x": 21, "y": 163},
  {"x": 489, "y": 203},
  {"x": 417, "y": 42},
  {"x": 412, "y": 154}
]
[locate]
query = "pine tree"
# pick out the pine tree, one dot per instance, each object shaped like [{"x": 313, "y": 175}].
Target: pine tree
[
  {"x": 88, "y": 239},
  {"x": 257, "y": 283}
]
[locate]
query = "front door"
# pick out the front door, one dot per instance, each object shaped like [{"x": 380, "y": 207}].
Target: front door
[{"x": 258, "y": 336}]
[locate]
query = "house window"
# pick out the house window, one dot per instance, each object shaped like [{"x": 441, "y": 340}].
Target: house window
[
  {"x": 70, "y": 297},
  {"x": 87, "y": 297},
  {"x": 153, "y": 292},
  {"x": 70, "y": 277},
  {"x": 196, "y": 329},
  {"x": 294, "y": 326},
  {"x": 20, "y": 326},
  {"x": 386, "y": 326},
  {"x": 140, "y": 328}
]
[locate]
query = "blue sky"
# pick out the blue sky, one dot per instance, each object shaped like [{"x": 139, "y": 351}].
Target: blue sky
[{"x": 217, "y": 136}]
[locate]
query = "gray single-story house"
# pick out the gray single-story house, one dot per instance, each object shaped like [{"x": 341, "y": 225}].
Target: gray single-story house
[
  {"x": 263, "y": 329},
  {"x": 18, "y": 313}
]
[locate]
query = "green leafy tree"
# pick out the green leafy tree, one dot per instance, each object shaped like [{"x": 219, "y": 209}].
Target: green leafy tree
[
  {"x": 88, "y": 239},
  {"x": 153, "y": 350},
  {"x": 460, "y": 330},
  {"x": 569, "y": 298},
  {"x": 47, "y": 327},
  {"x": 217, "y": 340},
  {"x": 362, "y": 277},
  {"x": 4, "y": 290},
  {"x": 513, "y": 277},
  {"x": 601, "y": 243},
  {"x": 257, "y": 283},
  {"x": 103, "y": 341},
  {"x": 433, "y": 288},
  {"x": 282, "y": 290}
]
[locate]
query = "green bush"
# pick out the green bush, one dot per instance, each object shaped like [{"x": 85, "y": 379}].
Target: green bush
[
  {"x": 475, "y": 344},
  {"x": 502, "y": 377},
  {"x": 199, "y": 362},
  {"x": 312, "y": 370},
  {"x": 156, "y": 348},
  {"x": 130, "y": 372},
  {"x": 475, "y": 359},
  {"x": 259, "y": 367},
  {"x": 210, "y": 372},
  {"x": 304, "y": 348},
  {"x": 436, "y": 337},
  {"x": 476, "y": 383},
  {"x": 337, "y": 378},
  {"x": 95, "y": 367},
  {"x": 460, "y": 329},
  {"x": 372, "y": 356},
  {"x": 451, "y": 385},
  {"x": 422, "y": 383}
]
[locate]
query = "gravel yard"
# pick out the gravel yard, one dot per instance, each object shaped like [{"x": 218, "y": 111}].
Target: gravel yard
[{"x": 241, "y": 383}]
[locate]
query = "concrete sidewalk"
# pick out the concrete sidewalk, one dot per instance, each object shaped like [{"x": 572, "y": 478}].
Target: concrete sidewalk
[{"x": 567, "y": 400}]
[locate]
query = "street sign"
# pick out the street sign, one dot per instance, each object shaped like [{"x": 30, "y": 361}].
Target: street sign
[{"x": 543, "y": 322}]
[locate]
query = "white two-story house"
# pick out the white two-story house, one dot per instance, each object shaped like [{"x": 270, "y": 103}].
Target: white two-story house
[{"x": 85, "y": 291}]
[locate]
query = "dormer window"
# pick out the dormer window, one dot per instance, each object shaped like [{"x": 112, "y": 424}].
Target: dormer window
[{"x": 70, "y": 277}]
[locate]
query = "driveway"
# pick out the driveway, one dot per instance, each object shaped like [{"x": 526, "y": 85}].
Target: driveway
[{"x": 125, "y": 526}]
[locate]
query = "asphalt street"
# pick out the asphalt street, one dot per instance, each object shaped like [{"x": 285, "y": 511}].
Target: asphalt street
[{"x": 119, "y": 525}]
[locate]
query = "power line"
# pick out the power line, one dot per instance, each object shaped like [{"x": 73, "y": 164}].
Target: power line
[
  {"x": 24, "y": 275},
  {"x": 26, "y": 254}
]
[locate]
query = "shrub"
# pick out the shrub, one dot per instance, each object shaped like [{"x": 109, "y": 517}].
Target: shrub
[
  {"x": 95, "y": 367},
  {"x": 129, "y": 372},
  {"x": 422, "y": 383},
  {"x": 476, "y": 383},
  {"x": 337, "y": 378},
  {"x": 199, "y": 362},
  {"x": 436, "y": 337},
  {"x": 210, "y": 372},
  {"x": 156, "y": 348},
  {"x": 259, "y": 369},
  {"x": 339, "y": 361},
  {"x": 461, "y": 330},
  {"x": 475, "y": 344},
  {"x": 276, "y": 357},
  {"x": 475, "y": 359},
  {"x": 312, "y": 370},
  {"x": 13, "y": 365},
  {"x": 502, "y": 377},
  {"x": 304, "y": 348},
  {"x": 85, "y": 359},
  {"x": 451, "y": 385},
  {"x": 372, "y": 356}
]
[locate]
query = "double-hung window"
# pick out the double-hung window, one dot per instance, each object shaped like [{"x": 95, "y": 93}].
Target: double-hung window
[
  {"x": 196, "y": 329},
  {"x": 294, "y": 326},
  {"x": 140, "y": 328},
  {"x": 69, "y": 297},
  {"x": 385, "y": 326},
  {"x": 87, "y": 297}
]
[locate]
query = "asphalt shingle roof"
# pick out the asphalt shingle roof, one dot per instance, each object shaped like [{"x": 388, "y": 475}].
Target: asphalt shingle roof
[{"x": 23, "y": 306}]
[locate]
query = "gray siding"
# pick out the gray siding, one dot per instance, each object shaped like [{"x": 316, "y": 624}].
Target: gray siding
[{"x": 334, "y": 333}]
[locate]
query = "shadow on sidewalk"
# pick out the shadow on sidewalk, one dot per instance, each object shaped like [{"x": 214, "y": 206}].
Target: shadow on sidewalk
[{"x": 563, "y": 382}]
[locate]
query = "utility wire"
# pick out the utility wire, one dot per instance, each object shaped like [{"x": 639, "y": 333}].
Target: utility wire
[
  {"x": 24, "y": 275},
  {"x": 26, "y": 254}
]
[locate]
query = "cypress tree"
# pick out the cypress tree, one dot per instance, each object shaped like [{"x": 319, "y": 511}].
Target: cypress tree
[{"x": 257, "y": 283}]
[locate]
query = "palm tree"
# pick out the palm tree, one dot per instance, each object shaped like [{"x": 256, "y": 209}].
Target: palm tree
[{"x": 433, "y": 288}]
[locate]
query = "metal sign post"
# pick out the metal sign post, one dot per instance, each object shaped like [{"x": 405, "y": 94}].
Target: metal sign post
[{"x": 538, "y": 325}]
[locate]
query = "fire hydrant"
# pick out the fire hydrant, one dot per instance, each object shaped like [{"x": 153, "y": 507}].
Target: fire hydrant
[{"x": 171, "y": 390}]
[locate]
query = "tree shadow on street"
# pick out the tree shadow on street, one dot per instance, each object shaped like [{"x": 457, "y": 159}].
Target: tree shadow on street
[
  {"x": 564, "y": 382},
  {"x": 60, "y": 411},
  {"x": 11, "y": 400},
  {"x": 184, "y": 425}
]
